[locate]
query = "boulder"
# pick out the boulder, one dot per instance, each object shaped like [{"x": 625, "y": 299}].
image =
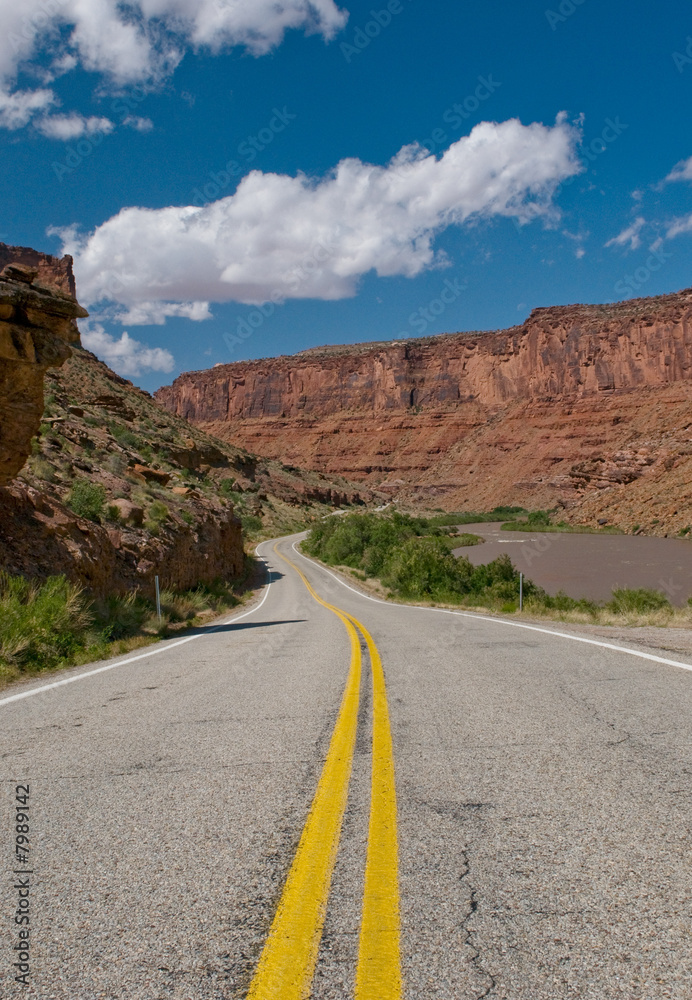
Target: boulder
[
  {"x": 130, "y": 513},
  {"x": 151, "y": 475}
]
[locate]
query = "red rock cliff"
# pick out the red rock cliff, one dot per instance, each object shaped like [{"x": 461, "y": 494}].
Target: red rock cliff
[
  {"x": 544, "y": 412},
  {"x": 38, "y": 310}
]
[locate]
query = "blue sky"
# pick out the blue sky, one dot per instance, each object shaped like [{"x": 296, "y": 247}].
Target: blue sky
[{"x": 240, "y": 179}]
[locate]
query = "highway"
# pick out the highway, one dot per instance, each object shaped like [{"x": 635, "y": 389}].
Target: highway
[{"x": 328, "y": 796}]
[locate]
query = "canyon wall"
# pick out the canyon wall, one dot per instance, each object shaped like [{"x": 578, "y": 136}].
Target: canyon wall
[
  {"x": 38, "y": 310},
  {"x": 577, "y": 402}
]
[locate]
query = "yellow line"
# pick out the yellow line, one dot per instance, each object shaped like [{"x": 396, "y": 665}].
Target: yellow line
[
  {"x": 287, "y": 963},
  {"x": 379, "y": 957}
]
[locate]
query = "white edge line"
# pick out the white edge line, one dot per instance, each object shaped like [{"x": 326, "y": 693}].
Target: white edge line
[
  {"x": 132, "y": 659},
  {"x": 500, "y": 621}
]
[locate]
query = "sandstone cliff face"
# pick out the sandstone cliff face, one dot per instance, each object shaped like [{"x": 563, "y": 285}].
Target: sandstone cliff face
[
  {"x": 37, "y": 325},
  {"x": 52, "y": 272},
  {"x": 576, "y": 401}
]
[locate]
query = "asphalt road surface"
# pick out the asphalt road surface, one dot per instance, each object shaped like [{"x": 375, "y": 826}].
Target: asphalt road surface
[{"x": 207, "y": 818}]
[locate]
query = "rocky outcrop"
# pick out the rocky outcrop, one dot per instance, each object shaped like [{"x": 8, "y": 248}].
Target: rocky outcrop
[
  {"x": 38, "y": 310},
  {"x": 166, "y": 499},
  {"x": 577, "y": 401},
  {"x": 39, "y": 536},
  {"x": 52, "y": 272}
]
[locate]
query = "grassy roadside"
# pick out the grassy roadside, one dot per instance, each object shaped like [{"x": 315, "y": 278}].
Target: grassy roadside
[
  {"x": 54, "y": 625},
  {"x": 402, "y": 558}
]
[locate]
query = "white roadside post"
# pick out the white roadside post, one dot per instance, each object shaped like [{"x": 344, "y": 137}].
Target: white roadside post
[
  {"x": 158, "y": 598},
  {"x": 521, "y": 591}
]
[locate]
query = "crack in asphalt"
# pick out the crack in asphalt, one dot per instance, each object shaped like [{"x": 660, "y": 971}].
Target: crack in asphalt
[
  {"x": 593, "y": 712},
  {"x": 470, "y": 937},
  {"x": 460, "y": 811}
]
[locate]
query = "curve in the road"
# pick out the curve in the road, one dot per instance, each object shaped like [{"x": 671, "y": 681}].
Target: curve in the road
[{"x": 503, "y": 621}]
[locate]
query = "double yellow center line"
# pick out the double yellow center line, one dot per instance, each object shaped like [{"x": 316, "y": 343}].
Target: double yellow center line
[{"x": 287, "y": 964}]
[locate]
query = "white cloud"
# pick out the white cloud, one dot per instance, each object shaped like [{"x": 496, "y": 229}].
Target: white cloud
[
  {"x": 156, "y": 313},
  {"x": 681, "y": 172},
  {"x": 17, "y": 109},
  {"x": 286, "y": 237},
  {"x": 679, "y": 226},
  {"x": 139, "y": 42},
  {"x": 579, "y": 253},
  {"x": 72, "y": 126},
  {"x": 629, "y": 237},
  {"x": 125, "y": 355},
  {"x": 138, "y": 124}
]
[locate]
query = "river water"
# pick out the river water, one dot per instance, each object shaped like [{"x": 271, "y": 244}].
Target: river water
[{"x": 589, "y": 565}]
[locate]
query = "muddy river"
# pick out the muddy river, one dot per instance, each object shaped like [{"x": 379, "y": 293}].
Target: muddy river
[{"x": 589, "y": 565}]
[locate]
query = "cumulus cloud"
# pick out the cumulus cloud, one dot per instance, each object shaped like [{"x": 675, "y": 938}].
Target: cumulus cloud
[
  {"x": 281, "y": 237},
  {"x": 72, "y": 126},
  {"x": 17, "y": 109},
  {"x": 140, "y": 42},
  {"x": 681, "y": 172},
  {"x": 679, "y": 226},
  {"x": 629, "y": 237},
  {"x": 125, "y": 355}
]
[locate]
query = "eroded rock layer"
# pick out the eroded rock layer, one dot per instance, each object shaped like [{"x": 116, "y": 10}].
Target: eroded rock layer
[
  {"x": 38, "y": 310},
  {"x": 578, "y": 403}
]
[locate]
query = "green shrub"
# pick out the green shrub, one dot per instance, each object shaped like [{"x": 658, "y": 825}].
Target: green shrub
[
  {"x": 476, "y": 517},
  {"x": 43, "y": 469},
  {"x": 113, "y": 513},
  {"x": 123, "y": 436},
  {"x": 184, "y": 606},
  {"x": 87, "y": 499},
  {"x": 467, "y": 539},
  {"x": 425, "y": 568},
  {"x": 412, "y": 557},
  {"x": 251, "y": 523},
  {"x": 158, "y": 512},
  {"x": 116, "y": 464},
  {"x": 120, "y": 617},
  {"x": 226, "y": 487},
  {"x": 638, "y": 601},
  {"x": 187, "y": 517},
  {"x": 42, "y": 625}
]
